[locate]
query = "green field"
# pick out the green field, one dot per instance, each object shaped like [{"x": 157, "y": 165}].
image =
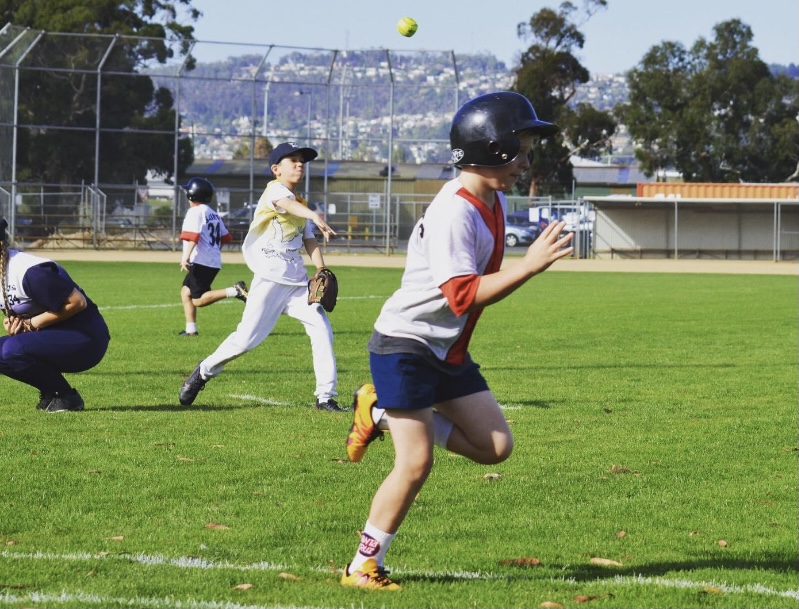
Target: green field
[{"x": 656, "y": 426}]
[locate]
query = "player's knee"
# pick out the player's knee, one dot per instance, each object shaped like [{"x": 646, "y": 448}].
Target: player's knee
[
  {"x": 504, "y": 449},
  {"x": 499, "y": 451},
  {"x": 415, "y": 471}
]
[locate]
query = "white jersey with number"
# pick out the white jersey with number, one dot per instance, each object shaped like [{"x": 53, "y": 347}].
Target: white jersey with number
[
  {"x": 456, "y": 237},
  {"x": 204, "y": 226}
]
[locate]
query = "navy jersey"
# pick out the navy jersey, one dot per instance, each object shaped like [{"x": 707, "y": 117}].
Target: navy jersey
[{"x": 37, "y": 284}]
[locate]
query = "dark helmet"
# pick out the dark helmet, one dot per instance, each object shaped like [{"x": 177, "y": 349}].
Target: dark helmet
[
  {"x": 484, "y": 129},
  {"x": 199, "y": 190}
]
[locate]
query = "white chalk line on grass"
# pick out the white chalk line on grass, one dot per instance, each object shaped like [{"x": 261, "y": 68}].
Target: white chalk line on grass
[
  {"x": 200, "y": 563},
  {"x": 255, "y": 398},
  {"x": 171, "y": 305},
  {"x": 96, "y": 600}
]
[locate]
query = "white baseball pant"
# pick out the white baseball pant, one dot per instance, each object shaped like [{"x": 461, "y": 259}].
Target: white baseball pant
[{"x": 266, "y": 302}]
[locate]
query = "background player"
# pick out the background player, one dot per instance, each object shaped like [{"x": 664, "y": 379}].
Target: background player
[
  {"x": 281, "y": 226},
  {"x": 429, "y": 389},
  {"x": 52, "y": 327},
  {"x": 203, "y": 234}
]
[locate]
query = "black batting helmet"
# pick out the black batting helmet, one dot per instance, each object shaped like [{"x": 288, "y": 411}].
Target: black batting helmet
[
  {"x": 199, "y": 190},
  {"x": 484, "y": 129}
]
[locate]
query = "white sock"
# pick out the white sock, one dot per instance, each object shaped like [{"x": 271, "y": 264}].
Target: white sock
[
  {"x": 231, "y": 292},
  {"x": 191, "y": 328},
  {"x": 377, "y": 416},
  {"x": 442, "y": 427},
  {"x": 374, "y": 544}
]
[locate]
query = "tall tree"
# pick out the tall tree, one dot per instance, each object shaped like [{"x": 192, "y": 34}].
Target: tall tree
[
  {"x": 715, "y": 113},
  {"x": 549, "y": 74},
  {"x": 58, "y": 99}
]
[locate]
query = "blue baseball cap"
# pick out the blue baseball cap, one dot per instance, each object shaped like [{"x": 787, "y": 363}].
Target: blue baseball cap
[{"x": 287, "y": 148}]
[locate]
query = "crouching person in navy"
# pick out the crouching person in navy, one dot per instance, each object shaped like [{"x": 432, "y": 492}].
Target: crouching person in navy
[{"x": 51, "y": 326}]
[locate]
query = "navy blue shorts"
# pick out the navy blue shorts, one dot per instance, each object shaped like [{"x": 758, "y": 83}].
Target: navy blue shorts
[
  {"x": 199, "y": 279},
  {"x": 408, "y": 382}
]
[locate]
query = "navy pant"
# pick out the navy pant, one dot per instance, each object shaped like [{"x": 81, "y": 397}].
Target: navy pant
[{"x": 40, "y": 358}]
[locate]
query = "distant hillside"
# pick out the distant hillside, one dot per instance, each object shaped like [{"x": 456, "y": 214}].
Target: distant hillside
[{"x": 220, "y": 100}]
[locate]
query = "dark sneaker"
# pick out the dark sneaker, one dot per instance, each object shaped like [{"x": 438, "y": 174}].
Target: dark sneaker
[
  {"x": 241, "y": 291},
  {"x": 184, "y": 333},
  {"x": 193, "y": 385},
  {"x": 330, "y": 405},
  {"x": 64, "y": 401},
  {"x": 44, "y": 400}
]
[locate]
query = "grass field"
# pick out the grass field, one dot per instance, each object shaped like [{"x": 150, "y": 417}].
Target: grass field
[{"x": 656, "y": 426}]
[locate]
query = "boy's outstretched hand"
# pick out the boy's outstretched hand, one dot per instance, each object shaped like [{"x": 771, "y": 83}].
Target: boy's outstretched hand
[
  {"x": 323, "y": 227},
  {"x": 548, "y": 248}
]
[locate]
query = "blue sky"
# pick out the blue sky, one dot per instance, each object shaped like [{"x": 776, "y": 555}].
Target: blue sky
[{"x": 616, "y": 38}]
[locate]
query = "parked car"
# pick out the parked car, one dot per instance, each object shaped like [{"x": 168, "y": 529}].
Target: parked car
[
  {"x": 518, "y": 235},
  {"x": 238, "y": 221},
  {"x": 522, "y": 218}
]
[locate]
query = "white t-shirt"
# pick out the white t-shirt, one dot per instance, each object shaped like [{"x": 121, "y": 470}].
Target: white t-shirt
[
  {"x": 273, "y": 246},
  {"x": 204, "y": 226},
  {"x": 452, "y": 239}
]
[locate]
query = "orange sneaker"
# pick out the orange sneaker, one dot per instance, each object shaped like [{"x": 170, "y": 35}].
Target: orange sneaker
[
  {"x": 369, "y": 576},
  {"x": 363, "y": 430}
]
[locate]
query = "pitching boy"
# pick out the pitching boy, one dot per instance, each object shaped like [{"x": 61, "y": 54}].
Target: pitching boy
[{"x": 281, "y": 226}]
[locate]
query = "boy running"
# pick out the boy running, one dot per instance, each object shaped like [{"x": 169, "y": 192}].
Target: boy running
[{"x": 430, "y": 391}]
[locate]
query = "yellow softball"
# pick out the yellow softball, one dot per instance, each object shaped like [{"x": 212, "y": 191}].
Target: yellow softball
[{"x": 407, "y": 26}]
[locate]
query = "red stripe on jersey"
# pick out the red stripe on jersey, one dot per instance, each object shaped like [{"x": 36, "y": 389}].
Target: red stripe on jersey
[
  {"x": 187, "y": 236},
  {"x": 460, "y": 292},
  {"x": 495, "y": 221}
]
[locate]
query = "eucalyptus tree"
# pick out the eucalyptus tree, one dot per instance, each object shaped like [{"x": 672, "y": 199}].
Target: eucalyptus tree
[
  {"x": 714, "y": 112},
  {"x": 58, "y": 99},
  {"x": 549, "y": 74}
]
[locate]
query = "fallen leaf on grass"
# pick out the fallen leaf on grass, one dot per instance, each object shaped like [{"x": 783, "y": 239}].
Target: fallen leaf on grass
[
  {"x": 583, "y": 598},
  {"x": 216, "y": 526},
  {"x": 116, "y": 538},
  {"x": 550, "y": 605},
  {"x": 242, "y": 587},
  {"x": 184, "y": 459},
  {"x": 12, "y": 542},
  {"x": 712, "y": 590},
  {"x": 607, "y": 410},
  {"x": 521, "y": 562},
  {"x": 605, "y": 562},
  {"x": 493, "y": 476},
  {"x": 288, "y": 576},
  {"x": 723, "y": 543},
  {"x": 621, "y": 534},
  {"x": 619, "y": 469}
]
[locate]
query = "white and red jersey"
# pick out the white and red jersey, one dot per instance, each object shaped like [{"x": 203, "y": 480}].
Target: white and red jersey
[
  {"x": 457, "y": 240},
  {"x": 204, "y": 226}
]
